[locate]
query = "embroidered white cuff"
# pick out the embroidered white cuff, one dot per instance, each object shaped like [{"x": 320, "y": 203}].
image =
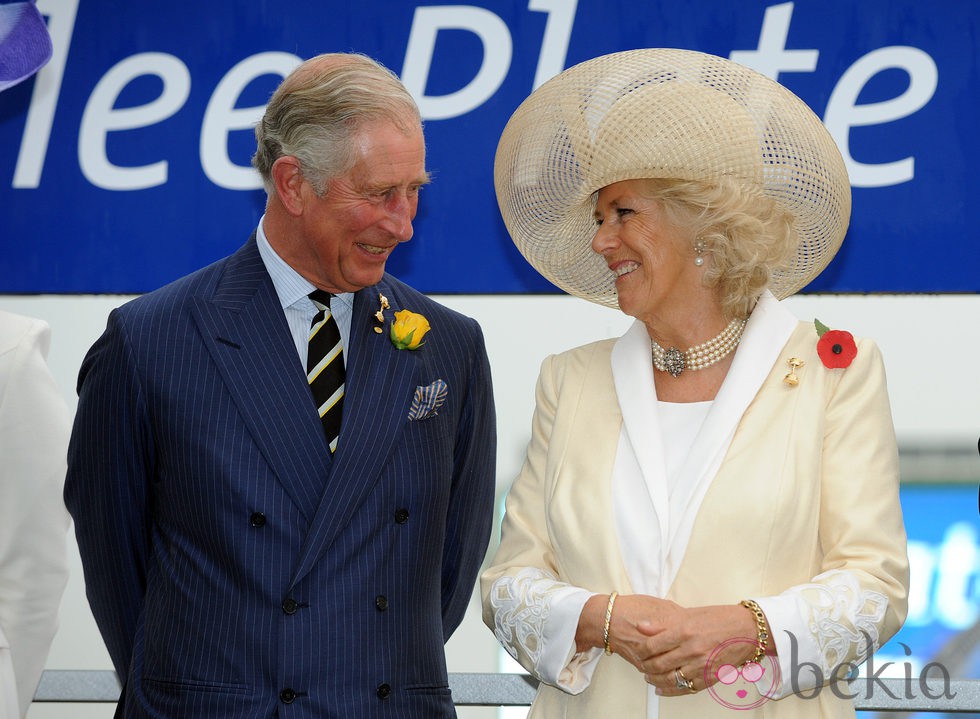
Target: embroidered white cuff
[
  {"x": 823, "y": 629},
  {"x": 535, "y": 619},
  {"x": 795, "y": 647},
  {"x": 572, "y": 671}
]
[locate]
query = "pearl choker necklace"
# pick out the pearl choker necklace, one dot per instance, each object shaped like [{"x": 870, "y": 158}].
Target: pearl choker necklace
[{"x": 674, "y": 361}]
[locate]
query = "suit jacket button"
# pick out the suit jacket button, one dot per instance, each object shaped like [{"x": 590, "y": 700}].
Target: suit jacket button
[
  {"x": 384, "y": 691},
  {"x": 257, "y": 519},
  {"x": 290, "y": 606},
  {"x": 401, "y": 515},
  {"x": 288, "y": 696},
  {"x": 381, "y": 602}
]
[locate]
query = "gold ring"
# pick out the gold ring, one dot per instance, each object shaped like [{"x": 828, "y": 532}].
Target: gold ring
[{"x": 683, "y": 682}]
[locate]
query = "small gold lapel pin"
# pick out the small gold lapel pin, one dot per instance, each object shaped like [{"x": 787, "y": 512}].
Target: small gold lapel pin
[
  {"x": 380, "y": 314},
  {"x": 794, "y": 364}
]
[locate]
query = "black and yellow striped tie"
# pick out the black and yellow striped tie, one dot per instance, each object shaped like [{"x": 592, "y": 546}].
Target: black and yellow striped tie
[{"x": 325, "y": 367}]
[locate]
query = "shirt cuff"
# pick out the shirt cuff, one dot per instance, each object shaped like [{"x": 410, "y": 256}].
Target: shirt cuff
[
  {"x": 560, "y": 664},
  {"x": 796, "y": 650}
]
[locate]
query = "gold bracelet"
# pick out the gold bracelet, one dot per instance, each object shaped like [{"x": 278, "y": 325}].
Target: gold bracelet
[
  {"x": 605, "y": 629},
  {"x": 760, "y": 627}
]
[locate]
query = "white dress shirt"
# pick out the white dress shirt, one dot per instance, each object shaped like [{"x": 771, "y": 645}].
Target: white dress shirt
[{"x": 293, "y": 290}]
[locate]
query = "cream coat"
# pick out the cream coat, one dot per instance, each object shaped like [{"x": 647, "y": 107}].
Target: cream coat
[
  {"x": 809, "y": 486},
  {"x": 34, "y": 427}
]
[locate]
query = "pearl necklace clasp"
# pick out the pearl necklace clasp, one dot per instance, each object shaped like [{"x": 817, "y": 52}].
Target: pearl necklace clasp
[{"x": 674, "y": 361}]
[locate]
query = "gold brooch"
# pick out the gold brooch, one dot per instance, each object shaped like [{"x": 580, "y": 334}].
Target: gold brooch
[
  {"x": 794, "y": 363},
  {"x": 380, "y": 314}
]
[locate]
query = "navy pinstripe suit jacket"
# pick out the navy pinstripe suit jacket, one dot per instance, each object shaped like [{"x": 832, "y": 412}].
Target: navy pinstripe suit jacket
[{"x": 234, "y": 567}]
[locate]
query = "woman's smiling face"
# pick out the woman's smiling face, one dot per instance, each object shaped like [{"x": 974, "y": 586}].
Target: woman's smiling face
[{"x": 653, "y": 263}]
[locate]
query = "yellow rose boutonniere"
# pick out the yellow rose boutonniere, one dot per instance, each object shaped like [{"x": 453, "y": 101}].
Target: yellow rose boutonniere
[{"x": 408, "y": 329}]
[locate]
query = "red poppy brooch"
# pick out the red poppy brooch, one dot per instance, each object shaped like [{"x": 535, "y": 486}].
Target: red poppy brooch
[{"x": 836, "y": 348}]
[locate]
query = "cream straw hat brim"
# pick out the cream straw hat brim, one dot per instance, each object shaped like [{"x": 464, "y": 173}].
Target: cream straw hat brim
[{"x": 662, "y": 113}]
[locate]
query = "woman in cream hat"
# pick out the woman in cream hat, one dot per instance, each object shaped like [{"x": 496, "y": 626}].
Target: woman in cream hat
[{"x": 707, "y": 519}]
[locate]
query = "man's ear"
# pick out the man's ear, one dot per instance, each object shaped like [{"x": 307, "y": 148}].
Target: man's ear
[{"x": 287, "y": 177}]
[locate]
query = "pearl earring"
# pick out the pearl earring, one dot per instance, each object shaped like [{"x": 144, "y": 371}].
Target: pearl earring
[{"x": 699, "y": 248}]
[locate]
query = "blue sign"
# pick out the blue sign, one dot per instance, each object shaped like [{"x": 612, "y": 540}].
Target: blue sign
[
  {"x": 943, "y": 624},
  {"x": 126, "y": 159}
]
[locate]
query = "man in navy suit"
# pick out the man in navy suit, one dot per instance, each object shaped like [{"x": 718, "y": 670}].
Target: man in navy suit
[{"x": 236, "y": 566}]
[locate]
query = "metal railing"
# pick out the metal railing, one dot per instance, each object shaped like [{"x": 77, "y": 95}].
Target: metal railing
[{"x": 959, "y": 696}]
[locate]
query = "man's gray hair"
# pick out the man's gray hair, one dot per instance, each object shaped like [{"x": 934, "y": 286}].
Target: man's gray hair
[{"x": 320, "y": 106}]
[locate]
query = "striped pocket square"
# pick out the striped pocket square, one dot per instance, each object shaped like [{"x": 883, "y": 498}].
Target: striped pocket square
[{"x": 428, "y": 400}]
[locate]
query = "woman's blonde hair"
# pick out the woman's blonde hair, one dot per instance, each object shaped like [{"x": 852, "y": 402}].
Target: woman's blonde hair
[{"x": 744, "y": 234}]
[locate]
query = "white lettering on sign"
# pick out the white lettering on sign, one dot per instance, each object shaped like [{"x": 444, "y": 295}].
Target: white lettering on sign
[
  {"x": 497, "y": 44},
  {"x": 102, "y": 117},
  {"x": 497, "y": 49},
  {"x": 771, "y": 56},
  {"x": 843, "y": 111},
  {"x": 47, "y": 90},
  {"x": 557, "y": 33},
  {"x": 944, "y": 579},
  {"x": 221, "y": 116}
]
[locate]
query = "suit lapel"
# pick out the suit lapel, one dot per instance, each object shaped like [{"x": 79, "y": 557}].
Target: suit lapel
[
  {"x": 633, "y": 376},
  {"x": 380, "y": 384},
  {"x": 245, "y": 331}
]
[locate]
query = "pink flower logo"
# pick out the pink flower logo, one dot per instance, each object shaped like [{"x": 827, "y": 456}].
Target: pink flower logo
[{"x": 741, "y": 687}]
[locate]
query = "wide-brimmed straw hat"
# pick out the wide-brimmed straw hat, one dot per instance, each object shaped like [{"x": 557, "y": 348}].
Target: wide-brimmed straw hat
[{"x": 662, "y": 113}]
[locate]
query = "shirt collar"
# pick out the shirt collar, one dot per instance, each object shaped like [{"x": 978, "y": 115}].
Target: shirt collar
[{"x": 291, "y": 286}]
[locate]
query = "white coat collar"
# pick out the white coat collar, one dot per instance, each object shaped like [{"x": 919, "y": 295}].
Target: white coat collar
[{"x": 767, "y": 330}]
